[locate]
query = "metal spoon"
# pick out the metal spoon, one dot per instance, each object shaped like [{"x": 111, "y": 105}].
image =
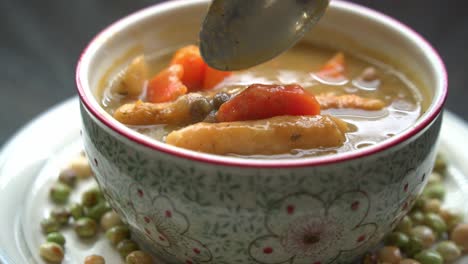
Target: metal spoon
[{"x": 239, "y": 34}]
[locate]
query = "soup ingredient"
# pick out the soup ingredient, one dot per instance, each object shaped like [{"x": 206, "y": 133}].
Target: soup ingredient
[
  {"x": 333, "y": 68},
  {"x": 351, "y": 101},
  {"x": 260, "y": 101},
  {"x": 397, "y": 239},
  {"x": 117, "y": 233},
  {"x": 167, "y": 85},
  {"x": 133, "y": 79},
  {"x": 51, "y": 252},
  {"x": 56, "y": 237},
  {"x": 59, "y": 193},
  {"x": 287, "y": 133},
  {"x": 369, "y": 74},
  {"x": 429, "y": 257},
  {"x": 68, "y": 177},
  {"x": 409, "y": 261},
  {"x": 193, "y": 66},
  {"x": 49, "y": 225},
  {"x": 459, "y": 235},
  {"x": 448, "y": 250},
  {"x": 213, "y": 77},
  {"x": 61, "y": 215},
  {"x": 424, "y": 234},
  {"x": 85, "y": 227},
  {"x": 94, "y": 259},
  {"x": 138, "y": 257},
  {"x": 110, "y": 219},
  {"x": 389, "y": 254},
  {"x": 125, "y": 247},
  {"x": 435, "y": 222},
  {"x": 76, "y": 211},
  {"x": 81, "y": 167}
]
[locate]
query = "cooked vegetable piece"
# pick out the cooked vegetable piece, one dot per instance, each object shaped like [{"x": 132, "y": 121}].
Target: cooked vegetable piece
[
  {"x": 213, "y": 77},
  {"x": 185, "y": 110},
  {"x": 260, "y": 101},
  {"x": 194, "y": 66},
  {"x": 167, "y": 85},
  {"x": 333, "y": 68},
  {"x": 330, "y": 100},
  {"x": 133, "y": 78},
  {"x": 275, "y": 135}
]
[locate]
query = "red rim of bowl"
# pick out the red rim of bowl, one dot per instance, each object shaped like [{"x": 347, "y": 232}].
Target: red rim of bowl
[{"x": 422, "y": 123}]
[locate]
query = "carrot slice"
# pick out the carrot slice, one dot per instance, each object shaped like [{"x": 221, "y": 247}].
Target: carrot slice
[
  {"x": 194, "y": 66},
  {"x": 333, "y": 68},
  {"x": 213, "y": 77},
  {"x": 167, "y": 85},
  {"x": 260, "y": 101}
]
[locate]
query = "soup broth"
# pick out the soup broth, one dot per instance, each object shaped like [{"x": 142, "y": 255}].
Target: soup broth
[{"x": 364, "y": 77}]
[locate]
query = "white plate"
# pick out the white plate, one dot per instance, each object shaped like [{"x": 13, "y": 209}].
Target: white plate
[{"x": 31, "y": 160}]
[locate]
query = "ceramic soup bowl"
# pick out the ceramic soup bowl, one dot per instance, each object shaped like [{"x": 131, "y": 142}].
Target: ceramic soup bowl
[{"x": 190, "y": 207}]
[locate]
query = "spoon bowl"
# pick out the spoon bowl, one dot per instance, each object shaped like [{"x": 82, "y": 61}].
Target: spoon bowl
[{"x": 240, "y": 34}]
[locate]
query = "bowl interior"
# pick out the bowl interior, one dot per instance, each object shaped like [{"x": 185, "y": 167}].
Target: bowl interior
[{"x": 345, "y": 25}]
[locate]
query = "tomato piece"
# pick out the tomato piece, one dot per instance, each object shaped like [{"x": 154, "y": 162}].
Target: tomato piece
[
  {"x": 260, "y": 101},
  {"x": 333, "y": 68},
  {"x": 194, "y": 66},
  {"x": 213, "y": 77},
  {"x": 167, "y": 85}
]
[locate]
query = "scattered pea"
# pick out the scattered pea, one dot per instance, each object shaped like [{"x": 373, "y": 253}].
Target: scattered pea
[
  {"x": 76, "y": 211},
  {"x": 94, "y": 259},
  {"x": 49, "y": 225},
  {"x": 125, "y": 247},
  {"x": 61, "y": 215},
  {"x": 68, "y": 177},
  {"x": 56, "y": 237},
  {"x": 397, "y": 239},
  {"x": 448, "y": 250},
  {"x": 59, "y": 193},
  {"x": 459, "y": 235},
  {"x": 85, "y": 227},
  {"x": 429, "y": 257},
  {"x": 98, "y": 210},
  {"x": 434, "y": 178},
  {"x": 419, "y": 204},
  {"x": 432, "y": 206},
  {"x": 389, "y": 254},
  {"x": 424, "y": 234},
  {"x": 405, "y": 225},
  {"x": 91, "y": 197},
  {"x": 435, "y": 191},
  {"x": 451, "y": 218},
  {"x": 417, "y": 217},
  {"x": 110, "y": 219},
  {"x": 51, "y": 252},
  {"x": 138, "y": 257},
  {"x": 435, "y": 222},
  {"x": 409, "y": 261},
  {"x": 415, "y": 245},
  {"x": 81, "y": 166},
  {"x": 117, "y": 234},
  {"x": 369, "y": 258},
  {"x": 440, "y": 164}
]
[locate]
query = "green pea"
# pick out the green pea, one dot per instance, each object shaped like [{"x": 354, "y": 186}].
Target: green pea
[
  {"x": 414, "y": 246},
  {"x": 451, "y": 218},
  {"x": 68, "y": 177},
  {"x": 434, "y": 191},
  {"x": 117, "y": 233},
  {"x": 434, "y": 178},
  {"x": 76, "y": 211},
  {"x": 85, "y": 227},
  {"x": 417, "y": 217},
  {"x": 91, "y": 197},
  {"x": 424, "y": 234},
  {"x": 435, "y": 222},
  {"x": 429, "y": 257},
  {"x": 418, "y": 204},
  {"x": 59, "y": 193},
  {"x": 200, "y": 108},
  {"x": 110, "y": 219},
  {"x": 397, "y": 239},
  {"x": 56, "y": 237},
  {"x": 440, "y": 164},
  {"x": 51, "y": 252},
  {"x": 126, "y": 247},
  {"x": 61, "y": 215},
  {"x": 98, "y": 210},
  {"x": 448, "y": 250},
  {"x": 138, "y": 257},
  {"x": 405, "y": 225},
  {"x": 49, "y": 225}
]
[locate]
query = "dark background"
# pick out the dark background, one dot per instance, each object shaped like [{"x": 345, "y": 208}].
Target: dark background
[{"x": 40, "y": 42}]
